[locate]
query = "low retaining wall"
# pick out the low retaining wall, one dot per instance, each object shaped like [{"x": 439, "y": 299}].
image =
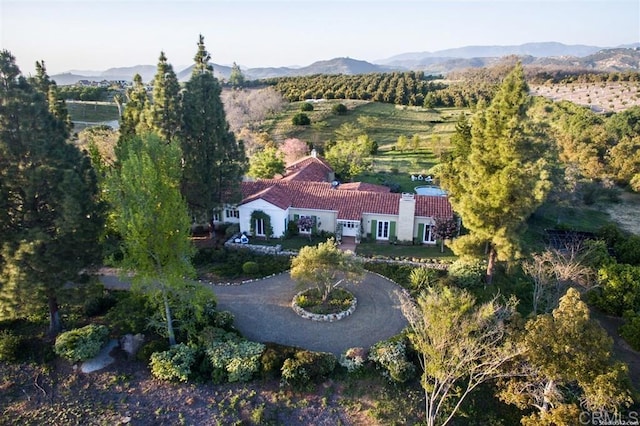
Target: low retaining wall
[
  {"x": 322, "y": 318},
  {"x": 277, "y": 250}
]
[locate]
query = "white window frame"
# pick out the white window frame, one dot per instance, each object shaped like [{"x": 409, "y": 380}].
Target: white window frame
[
  {"x": 232, "y": 213},
  {"x": 259, "y": 227},
  {"x": 428, "y": 236},
  {"x": 384, "y": 227},
  {"x": 300, "y": 230}
]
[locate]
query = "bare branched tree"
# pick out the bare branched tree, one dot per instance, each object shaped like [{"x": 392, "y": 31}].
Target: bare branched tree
[
  {"x": 460, "y": 346},
  {"x": 249, "y": 107},
  {"x": 555, "y": 270}
]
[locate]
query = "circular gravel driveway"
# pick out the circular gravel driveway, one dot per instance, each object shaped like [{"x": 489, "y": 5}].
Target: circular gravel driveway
[{"x": 263, "y": 313}]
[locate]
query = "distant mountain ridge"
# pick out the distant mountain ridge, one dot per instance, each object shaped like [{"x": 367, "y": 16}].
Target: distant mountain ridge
[
  {"x": 543, "y": 49},
  {"x": 547, "y": 54}
]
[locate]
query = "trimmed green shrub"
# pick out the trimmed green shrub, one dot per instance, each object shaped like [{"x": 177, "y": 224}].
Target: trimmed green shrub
[
  {"x": 130, "y": 314},
  {"x": 10, "y": 346},
  {"x": 81, "y": 344},
  {"x": 467, "y": 273},
  {"x": 400, "y": 274},
  {"x": 223, "y": 319},
  {"x": 174, "y": 364},
  {"x": 306, "y": 106},
  {"x": 228, "y": 263},
  {"x": 237, "y": 361},
  {"x": 208, "y": 335},
  {"x": 628, "y": 250},
  {"x": 391, "y": 356},
  {"x": 339, "y": 109},
  {"x": 151, "y": 347},
  {"x": 630, "y": 331},
  {"x": 273, "y": 357},
  {"x": 353, "y": 359},
  {"x": 301, "y": 119},
  {"x": 306, "y": 367},
  {"x": 99, "y": 305},
  {"x": 232, "y": 230},
  {"x": 250, "y": 268}
]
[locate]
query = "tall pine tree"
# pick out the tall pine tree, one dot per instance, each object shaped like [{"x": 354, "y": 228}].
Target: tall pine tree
[
  {"x": 214, "y": 161},
  {"x": 58, "y": 107},
  {"x": 505, "y": 175},
  {"x": 51, "y": 219},
  {"x": 163, "y": 112},
  {"x": 133, "y": 115}
]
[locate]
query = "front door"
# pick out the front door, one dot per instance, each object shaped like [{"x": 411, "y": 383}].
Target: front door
[{"x": 350, "y": 228}]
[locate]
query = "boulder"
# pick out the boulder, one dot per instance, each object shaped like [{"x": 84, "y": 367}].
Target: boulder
[{"x": 131, "y": 343}]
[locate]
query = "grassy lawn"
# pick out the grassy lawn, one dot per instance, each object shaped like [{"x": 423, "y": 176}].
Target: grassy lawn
[
  {"x": 391, "y": 250},
  {"x": 382, "y": 122},
  {"x": 92, "y": 112},
  {"x": 554, "y": 216}
]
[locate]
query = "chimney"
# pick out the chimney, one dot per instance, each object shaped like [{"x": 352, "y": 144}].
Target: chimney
[
  {"x": 406, "y": 216},
  {"x": 314, "y": 153}
]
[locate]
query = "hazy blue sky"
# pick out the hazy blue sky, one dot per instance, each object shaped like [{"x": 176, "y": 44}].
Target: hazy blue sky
[{"x": 99, "y": 34}]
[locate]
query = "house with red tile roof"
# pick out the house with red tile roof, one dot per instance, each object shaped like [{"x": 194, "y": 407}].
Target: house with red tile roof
[{"x": 308, "y": 189}]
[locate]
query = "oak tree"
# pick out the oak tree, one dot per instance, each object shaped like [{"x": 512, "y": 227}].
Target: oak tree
[{"x": 266, "y": 163}]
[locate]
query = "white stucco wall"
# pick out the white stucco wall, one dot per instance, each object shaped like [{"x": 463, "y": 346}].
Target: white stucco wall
[
  {"x": 326, "y": 218},
  {"x": 278, "y": 216}
]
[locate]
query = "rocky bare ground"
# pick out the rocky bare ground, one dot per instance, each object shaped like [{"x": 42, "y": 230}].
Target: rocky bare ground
[
  {"x": 126, "y": 393},
  {"x": 600, "y": 97}
]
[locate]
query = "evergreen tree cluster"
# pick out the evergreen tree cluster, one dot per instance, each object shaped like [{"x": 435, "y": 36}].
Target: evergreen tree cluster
[
  {"x": 411, "y": 88},
  {"x": 85, "y": 93},
  {"x": 400, "y": 88},
  {"x": 594, "y": 146},
  {"x": 194, "y": 118}
]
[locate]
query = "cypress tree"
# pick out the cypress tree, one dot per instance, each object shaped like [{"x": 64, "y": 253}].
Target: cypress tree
[
  {"x": 236, "y": 78},
  {"x": 163, "y": 112},
  {"x": 58, "y": 107},
  {"x": 51, "y": 219},
  {"x": 213, "y": 161},
  {"x": 133, "y": 116}
]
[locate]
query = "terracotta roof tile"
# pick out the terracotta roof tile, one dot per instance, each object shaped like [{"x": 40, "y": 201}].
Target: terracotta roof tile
[
  {"x": 309, "y": 169},
  {"x": 363, "y": 186},
  {"x": 350, "y": 204}
]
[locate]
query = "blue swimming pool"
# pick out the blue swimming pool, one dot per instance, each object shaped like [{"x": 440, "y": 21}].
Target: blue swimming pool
[{"x": 430, "y": 190}]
